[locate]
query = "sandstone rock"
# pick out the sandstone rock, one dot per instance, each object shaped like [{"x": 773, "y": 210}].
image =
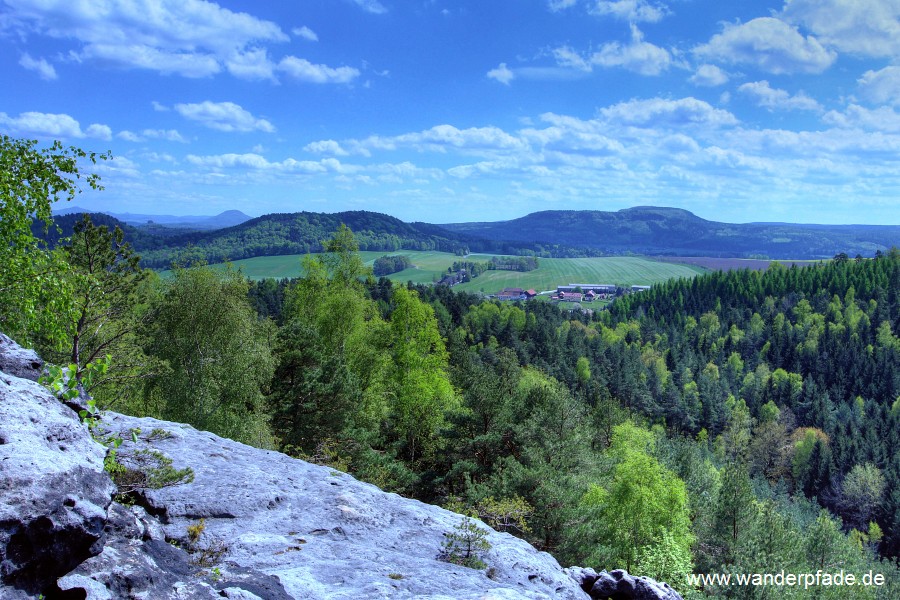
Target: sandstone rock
[
  {"x": 619, "y": 585},
  {"x": 53, "y": 489},
  {"x": 322, "y": 533},
  {"x": 19, "y": 362}
]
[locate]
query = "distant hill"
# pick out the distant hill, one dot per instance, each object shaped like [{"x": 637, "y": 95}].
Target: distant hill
[
  {"x": 299, "y": 233},
  {"x": 229, "y": 218},
  {"x": 673, "y": 231},
  {"x": 559, "y": 234}
]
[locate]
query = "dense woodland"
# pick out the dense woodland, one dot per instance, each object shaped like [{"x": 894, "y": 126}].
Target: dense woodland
[{"x": 742, "y": 422}]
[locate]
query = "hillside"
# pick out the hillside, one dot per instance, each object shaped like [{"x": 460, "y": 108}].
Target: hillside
[
  {"x": 228, "y": 218},
  {"x": 673, "y": 231},
  {"x": 557, "y": 234}
]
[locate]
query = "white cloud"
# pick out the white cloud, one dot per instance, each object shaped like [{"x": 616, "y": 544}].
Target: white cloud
[
  {"x": 557, "y": 5},
  {"x": 306, "y": 33},
  {"x": 638, "y": 56},
  {"x": 769, "y": 44},
  {"x": 864, "y": 27},
  {"x": 193, "y": 38},
  {"x": 444, "y": 137},
  {"x": 326, "y": 147},
  {"x": 158, "y": 107},
  {"x": 41, "y": 125},
  {"x": 169, "y": 135},
  {"x": 371, "y": 6},
  {"x": 659, "y": 112},
  {"x": 881, "y": 87},
  {"x": 253, "y": 64},
  {"x": 223, "y": 116},
  {"x": 303, "y": 70},
  {"x": 772, "y": 98},
  {"x": 709, "y": 76},
  {"x": 633, "y": 11},
  {"x": 881, "y": 119},
  {"x": 40, "y": 66},
  {"x": 502, "y": 74},
  {"x": 101, "y": 132},
  {"x": 129, "y": 136}
]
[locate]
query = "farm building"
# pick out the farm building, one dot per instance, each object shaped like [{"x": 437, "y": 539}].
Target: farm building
[
  {"x": 515, "y": 294},
  {"x": 597, "y": 288},
  {"x": 640, "y": 288}
]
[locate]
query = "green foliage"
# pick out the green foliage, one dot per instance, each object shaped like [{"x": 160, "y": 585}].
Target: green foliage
[
  {"x": 216, "y": 356},
  {"x": 206, "y": 550},
  {"x": 147, "y": 469},
  {"x": 386, "y": 265},
  {"x": 105, "y": 279},
  {"x": 640, "y": 516},
  {"x": 506, "y": 514},
  {"x": 36, "y": 293},
  {"x": 464, "y": 545},
  {"x": 417, "y": 377}
]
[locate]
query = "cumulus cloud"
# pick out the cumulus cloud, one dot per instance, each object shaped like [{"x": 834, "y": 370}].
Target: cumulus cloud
[
  {"x": 864, "y": 27},
  {"x": 881, "y": 119},
  {"x": 45, "y": 70},
  {"x": 371, "y": 6},
  {"x": 443, "y": 137},
  {"x": 633, "y": 11},
  {"x": 502, "y": 73},
  {"x": 557, "y": 5},
  {"x": 768, "y": 44},
  {"x": 709, "y": 76},
  {"x": 772, "y": 98},
  {"x": 51, "y": 125},
  {"x": 638, "y": 56},
  {"x": 101, "y": 132},
  {"x": 169, "y": 135},
  {"x": 252, "y": 64},
  {"x": 303, "y": 70},
  {"x": 326, "y": 147},
  {"x": 306, "y": 33},
  {"x": 659, "y": 112},
  {"x": 881, "y": 87},
  {"x": 193, "y": 38},
  {"x": 223, "y": 116}
]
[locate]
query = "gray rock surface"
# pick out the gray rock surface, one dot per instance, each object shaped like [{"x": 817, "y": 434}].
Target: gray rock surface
[
  {"x": 53, "y": 490},
  {"x": 619, "y": 585},
  {"x": 18, "y": 361},
  {"x": 322, "y": 533}
]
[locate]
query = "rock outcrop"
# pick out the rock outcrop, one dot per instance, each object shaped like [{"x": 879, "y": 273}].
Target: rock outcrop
[
  {"x": 54, "y": 492},
  {"x": 252, "y": 524}
]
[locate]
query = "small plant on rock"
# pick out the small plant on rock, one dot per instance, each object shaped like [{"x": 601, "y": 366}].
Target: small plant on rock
[
  {"x": 463, "y": 545},
  {"x": 205, "y": 551},
  {"x": 148, "y": 470}
]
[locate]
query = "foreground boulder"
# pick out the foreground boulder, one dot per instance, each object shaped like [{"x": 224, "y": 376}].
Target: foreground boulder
[{"x": 54, "y": 492}]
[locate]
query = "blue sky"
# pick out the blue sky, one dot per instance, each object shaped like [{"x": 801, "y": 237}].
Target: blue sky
[{"x": 448, "y": 111}]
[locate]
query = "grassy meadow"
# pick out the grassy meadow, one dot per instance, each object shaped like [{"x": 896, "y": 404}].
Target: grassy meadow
[{"x": 429, "y": 266}]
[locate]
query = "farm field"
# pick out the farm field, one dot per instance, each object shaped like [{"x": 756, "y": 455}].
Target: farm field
[
  {"x": 727, "y": 264},
  {"x": 621, "y": 270}
]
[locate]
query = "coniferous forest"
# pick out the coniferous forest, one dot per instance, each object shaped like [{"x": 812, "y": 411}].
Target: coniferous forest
[{"x": 736, "y": 422}]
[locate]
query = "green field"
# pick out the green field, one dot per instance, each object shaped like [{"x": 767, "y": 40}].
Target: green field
[{"x": 620, "y": 270}]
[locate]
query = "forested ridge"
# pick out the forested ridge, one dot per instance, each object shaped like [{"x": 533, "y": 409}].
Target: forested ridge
[
  {"x": 296, "y": 233},
  {"x": 739, "y": 422}
]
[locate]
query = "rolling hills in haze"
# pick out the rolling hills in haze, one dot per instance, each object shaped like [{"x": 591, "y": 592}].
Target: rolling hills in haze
[
  {"x": 560, "y": 234},
  {"x": 673, "y": 231}
]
